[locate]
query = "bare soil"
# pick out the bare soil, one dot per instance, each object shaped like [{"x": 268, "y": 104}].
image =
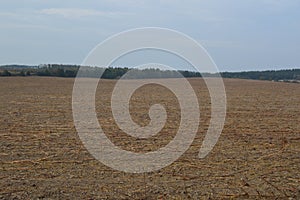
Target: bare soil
[{"x": 256, "y": 157}]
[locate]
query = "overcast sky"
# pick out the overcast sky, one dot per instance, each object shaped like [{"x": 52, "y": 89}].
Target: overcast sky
[{"x": 239, "y": 35}]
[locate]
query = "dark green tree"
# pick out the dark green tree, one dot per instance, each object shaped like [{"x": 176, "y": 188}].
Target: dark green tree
[
  {"x": 6, "y": 73},
  {"x": 22, "y": 73}
]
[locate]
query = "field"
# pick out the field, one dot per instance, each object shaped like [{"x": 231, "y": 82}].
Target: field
[{"x": 42, "y": 157}]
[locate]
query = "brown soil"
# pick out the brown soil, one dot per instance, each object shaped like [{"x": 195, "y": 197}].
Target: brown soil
[{"x": 257, "y": 155}]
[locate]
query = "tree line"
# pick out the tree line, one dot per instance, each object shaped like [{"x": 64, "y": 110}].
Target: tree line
[
  {"x": 59, "y": 70},
  {"x": 271, "y": 75}
]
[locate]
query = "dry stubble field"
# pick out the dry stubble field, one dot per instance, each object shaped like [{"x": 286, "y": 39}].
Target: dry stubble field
[{"x": 42, "y": 157}]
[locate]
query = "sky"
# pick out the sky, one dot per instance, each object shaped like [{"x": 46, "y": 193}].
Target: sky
[{"x": 238, "y": 35}]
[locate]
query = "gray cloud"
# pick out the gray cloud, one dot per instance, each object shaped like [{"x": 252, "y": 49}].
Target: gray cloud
[
  {"x": 78, "y": 13},
  {"x": 239, "y": 35}
]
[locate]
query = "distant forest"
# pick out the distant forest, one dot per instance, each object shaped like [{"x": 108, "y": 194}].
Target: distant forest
[{"x": 58, "y": 70}]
